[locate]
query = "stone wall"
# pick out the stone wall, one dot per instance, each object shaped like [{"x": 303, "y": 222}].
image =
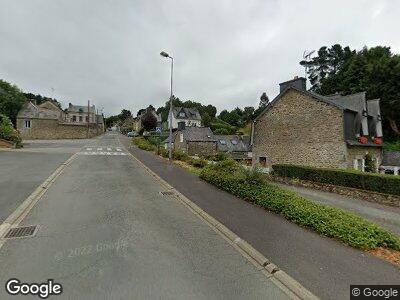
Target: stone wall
[
  {"x": 202, "y": 148},
  {"x": 53, "y": 129},
  {"x": 300, "y": 130},
  {"x": 359, "y": 152}
]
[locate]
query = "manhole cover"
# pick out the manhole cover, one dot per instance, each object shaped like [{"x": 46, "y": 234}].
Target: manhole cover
[
  {"x": 167, "y": 193},
  {"x": 20, "y": 232}
]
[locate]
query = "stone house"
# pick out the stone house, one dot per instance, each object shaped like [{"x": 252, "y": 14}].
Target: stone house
[
  {"x": 235, "y": 146},
  {"x": 79, "y": 114},
  {"x": 391, "y": 162},
  {"x": 303, "y": 128},
  {"x": 190, "y": 117},
  {"x": 48, "y": 121},
  {"x": 195, "y": 141}
]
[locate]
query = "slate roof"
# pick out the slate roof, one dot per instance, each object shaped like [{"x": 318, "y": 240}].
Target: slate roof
[
  {"x": 355, "y": 102},
  {"x": 80, "y": 108},
  {"x": 391, "y": 158},
  {"x": 197, "y": 134},
  {"x": 190, "y": 113},
  {"x": 233, "y": 143}
]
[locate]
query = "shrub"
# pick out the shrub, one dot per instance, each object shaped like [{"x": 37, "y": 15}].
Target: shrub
[
  {"x": 7, "y": 131},
  {"x": 144, "y": 144},
  {"x": 218, "y": 157},
  {"x": 350, "y": 178},
  {"x": 197, "y": 162},
  {"x": 329, "y": 221},
  {"x": 179, "y": 155}
]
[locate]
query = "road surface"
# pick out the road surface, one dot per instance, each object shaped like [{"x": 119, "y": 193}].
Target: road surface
[{"x": 106, "y": 232}]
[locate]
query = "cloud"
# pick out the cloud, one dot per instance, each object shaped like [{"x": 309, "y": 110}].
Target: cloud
[{"x": 226, "y": 52}]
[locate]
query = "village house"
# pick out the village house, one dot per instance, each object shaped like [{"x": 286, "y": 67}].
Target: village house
[
  {"x": 236, "y": 147},
  {"x": 48, "y": 121},
  {"x": 195, "y": 141},
  {"x": 190, "y": 117},
  {"x": 303, "y": 128},
  {"x": 79, "y": 114}
]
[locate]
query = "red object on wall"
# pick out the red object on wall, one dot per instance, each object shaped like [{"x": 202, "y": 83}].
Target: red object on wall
[
  {"x": 363, "y": 139},
  {"x": 378, "y": 141}
]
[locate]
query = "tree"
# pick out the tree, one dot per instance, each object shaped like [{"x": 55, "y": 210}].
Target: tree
[
  {"x": 206, "y": 120},
  {"x": 124, "y": 115},
  {"x": 140, "y": 111},
  {"x": 11, "y": 100},
  {"x": 374, "y": 70},
  {"x": 264, "y": 100},
  {"x": 149, "y": 121}
]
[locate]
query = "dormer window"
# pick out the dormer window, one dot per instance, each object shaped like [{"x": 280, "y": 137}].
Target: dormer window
[{"x": 182, "y": 114}]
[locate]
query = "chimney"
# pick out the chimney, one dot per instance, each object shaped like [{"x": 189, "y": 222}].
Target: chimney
[{"x": 298, "y": 83}]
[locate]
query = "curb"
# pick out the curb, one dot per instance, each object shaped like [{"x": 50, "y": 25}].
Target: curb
[{"x": 294, "y": 289}]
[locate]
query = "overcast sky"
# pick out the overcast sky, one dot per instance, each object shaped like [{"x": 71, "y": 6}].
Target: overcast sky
[{"x": 226, "y": 52}]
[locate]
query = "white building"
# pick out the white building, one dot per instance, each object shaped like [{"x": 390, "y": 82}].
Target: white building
[{"x": 189, "y": 116}]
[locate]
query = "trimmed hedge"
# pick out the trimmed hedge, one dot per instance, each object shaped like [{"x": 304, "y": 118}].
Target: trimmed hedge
[
  {"x": 381, "y": 183},
  {"x": 329, "y": 221}
]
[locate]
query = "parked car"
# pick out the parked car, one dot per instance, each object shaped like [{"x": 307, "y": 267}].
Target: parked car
[{"x": 132, "y": 134}]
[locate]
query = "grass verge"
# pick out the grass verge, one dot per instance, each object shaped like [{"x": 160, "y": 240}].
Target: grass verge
[{"x": 329, "y": 221}]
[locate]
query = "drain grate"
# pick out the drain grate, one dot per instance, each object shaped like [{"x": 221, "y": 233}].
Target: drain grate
[
  {"x": 167, "y": 193},
  {"x": 20, "y": 232}
]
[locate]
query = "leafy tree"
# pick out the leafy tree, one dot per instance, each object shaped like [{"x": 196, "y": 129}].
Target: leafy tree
[
  {"x": 124, "y": 115},
  {"x": 140, "y": 111},
  {"x": 11, "y": 100},
  {"x": 39, "y": 99},
  {"x": 149, "y": 121},
  {"x": 374, "y": 70},
  {"x": 206, "y": 120}
]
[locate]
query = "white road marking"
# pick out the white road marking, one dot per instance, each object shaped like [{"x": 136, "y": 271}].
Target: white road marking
[
  {"x": 89, "y": 149},
  {"x": 108, "y": 149},
  {"x": 119, "y": 149},
  {"x": 99, "y": 149}
]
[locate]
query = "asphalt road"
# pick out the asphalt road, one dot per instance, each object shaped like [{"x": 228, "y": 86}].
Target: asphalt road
[
  {"x": 325, "y": 266},
  {"x": 22, "y": 170},
  {"x": 106, "y": 232}
]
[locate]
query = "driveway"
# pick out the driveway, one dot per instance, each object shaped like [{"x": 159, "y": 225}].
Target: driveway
[{"x": 386, "y": 216}]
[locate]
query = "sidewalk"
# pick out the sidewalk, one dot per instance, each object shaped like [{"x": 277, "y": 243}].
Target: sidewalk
[{"x": 324, "y": 266}]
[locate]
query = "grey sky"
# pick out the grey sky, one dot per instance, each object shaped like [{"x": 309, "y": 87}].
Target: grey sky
[{"x": 226, "y": 52}]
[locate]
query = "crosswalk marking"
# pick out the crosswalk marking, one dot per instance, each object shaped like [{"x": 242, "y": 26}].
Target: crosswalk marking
[
  {"x": 118, "y": 149},
  {"x": 99, "y": 149},
  {"x": 101, "y": 153}
]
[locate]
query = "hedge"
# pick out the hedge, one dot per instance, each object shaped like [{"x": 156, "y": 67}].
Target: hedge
[
  {"x": 381, "y": 183},
  {"x": 329, "y": 221}
]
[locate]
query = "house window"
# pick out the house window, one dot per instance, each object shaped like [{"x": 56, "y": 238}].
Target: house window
[
  {"x": 73, "y": 118},
  {"x": 181, "y": 137},
  {"x": 27, "y": 123},
  {"x": 263, "y": 161},
  {"x": 80, "y": 119}
]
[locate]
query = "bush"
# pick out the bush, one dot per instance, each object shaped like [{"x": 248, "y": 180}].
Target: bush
[
  {"x": 7, "y": 131},
  {"x": 329, "y": 221},
  {"x": 179, "y": 155},
  {"x": 350, "y": 178},
  {"x": 218, "y": 157},
  {"x": 144, "y": 144},
  {"x": 197, "y": 162}
]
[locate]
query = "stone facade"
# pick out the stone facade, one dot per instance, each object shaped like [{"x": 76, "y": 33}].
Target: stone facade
[
  {"x": 201, "y": 148},
  {"x": 53, "y": 129},
  {"x": 298, "y": 129},
  {"x": 356, "y": 155}
]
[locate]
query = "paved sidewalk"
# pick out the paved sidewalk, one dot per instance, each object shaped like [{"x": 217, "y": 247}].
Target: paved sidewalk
[
  {"x": 384, "y": 215},
  {"x": 324, "y": 266}
]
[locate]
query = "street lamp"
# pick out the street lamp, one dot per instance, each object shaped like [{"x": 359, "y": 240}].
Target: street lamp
[{"x": 166, "y": 55}]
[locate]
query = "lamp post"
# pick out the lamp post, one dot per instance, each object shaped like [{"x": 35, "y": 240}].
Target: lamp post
[{"x": 166, "y": 55}]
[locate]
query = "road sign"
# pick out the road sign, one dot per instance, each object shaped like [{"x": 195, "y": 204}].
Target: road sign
[{"x": 158, "y": 129}]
